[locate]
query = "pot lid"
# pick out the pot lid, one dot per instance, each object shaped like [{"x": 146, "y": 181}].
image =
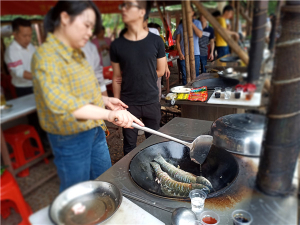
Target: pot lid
[{"x": 244, "y": 122}]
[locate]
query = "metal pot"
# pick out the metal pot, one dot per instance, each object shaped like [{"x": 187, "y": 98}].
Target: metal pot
[{"x": 239, "y": 133}]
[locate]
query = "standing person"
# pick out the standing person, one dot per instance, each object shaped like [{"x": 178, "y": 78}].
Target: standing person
[
  {"x": 154, "y": 30},
  {"x": 18, "y": 57},
  {"x": 197, "y": 33},
  {"x": 91, "y": 54},
  {"x": 206, "y": 39},
  {"x": 103, "y": 45},
  {"x": 221, "y": 45},
  {"x": 69, "y": 103},
  {"x": 138, "y": 56}
]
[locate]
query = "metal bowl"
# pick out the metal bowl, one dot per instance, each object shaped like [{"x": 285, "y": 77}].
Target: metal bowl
[
  {"x": 239, "y": 133},
  {"x": 90, "y": 202}
]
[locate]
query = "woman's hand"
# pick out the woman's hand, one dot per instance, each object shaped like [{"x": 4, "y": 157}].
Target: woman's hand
[
  {"x": 114, "y": 103},
  {"x": 123, "y": 118}
]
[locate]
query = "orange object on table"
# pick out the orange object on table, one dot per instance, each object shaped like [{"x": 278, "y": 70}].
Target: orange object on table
[{"x": 198, "y": 94}]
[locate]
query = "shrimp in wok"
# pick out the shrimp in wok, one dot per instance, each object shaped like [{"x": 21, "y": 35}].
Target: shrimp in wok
[
  {"x": 177, "y": 188},
  {"x": 181, "y": 175}
]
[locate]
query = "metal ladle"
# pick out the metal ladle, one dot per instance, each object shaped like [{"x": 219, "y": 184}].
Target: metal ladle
[{"x": 199, "y": 148}]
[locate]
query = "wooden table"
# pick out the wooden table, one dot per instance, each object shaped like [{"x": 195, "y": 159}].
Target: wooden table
[
  {"x": 204, "y": 111},
  {"x": 20, "y": 107},
  {"x": 218, "y": 65}
]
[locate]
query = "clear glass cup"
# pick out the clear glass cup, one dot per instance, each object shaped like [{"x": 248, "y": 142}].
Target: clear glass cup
[
  {"x": 241, "y": 217},
  {"x": 209, "y": 217},
  {"x": 218, "y": 91},
  {"x": 238, "y": 92},
  {"x": 228, "y": 92},
  {"x": 197, "y": 200}
]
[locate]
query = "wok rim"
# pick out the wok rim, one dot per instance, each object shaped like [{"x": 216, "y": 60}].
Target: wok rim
[{"x": 210, "y": 195}]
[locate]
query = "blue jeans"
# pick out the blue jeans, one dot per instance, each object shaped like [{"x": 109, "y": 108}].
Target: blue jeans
[
  {"x": 222, "y": 51},
  {"x": 80, "y": 157},
  {"x": 183, "y": 70},
  {"x": 203, "y": 60}
]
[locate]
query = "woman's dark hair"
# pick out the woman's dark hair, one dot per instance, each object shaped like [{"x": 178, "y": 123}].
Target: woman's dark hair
[
  {"x": 16, "y": 23},
  {"x": 73, "y": 8}
]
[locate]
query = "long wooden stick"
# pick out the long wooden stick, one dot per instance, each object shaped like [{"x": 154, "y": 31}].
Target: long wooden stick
[
  {"x": 237, "y": 16},
  {"x": 232, "y": 44},
  {"x": 186, "y": 46},
  {"x": 162, "y": 18},
  {"x": 245, "y": 16},
  {"x": 191, "y": 39}
]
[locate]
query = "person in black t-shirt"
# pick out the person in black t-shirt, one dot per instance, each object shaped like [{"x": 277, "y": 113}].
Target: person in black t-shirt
[{"x": 138, "y": 59}]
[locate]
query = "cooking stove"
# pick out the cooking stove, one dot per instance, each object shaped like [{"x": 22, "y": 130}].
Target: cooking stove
[{"x": 242, "y": 194}]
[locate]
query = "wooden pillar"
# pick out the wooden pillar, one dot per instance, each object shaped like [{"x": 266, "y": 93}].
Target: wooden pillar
[
  {"x": 232, "y": 24},
  {"x": 250, "y": 13},
  {"x": 177, "y": 16},
  {"x": 186, "y": 45},
  {"x": 275, "y": 23},
  {"x": 232, "y": 44},
  {"x": 257, "y": 39},
  {"x": 281, "y": 147},
  {"x": 237, "y": 16},
  {"x": 191, "y": 39},
  {"x": 38, "y": 33}
]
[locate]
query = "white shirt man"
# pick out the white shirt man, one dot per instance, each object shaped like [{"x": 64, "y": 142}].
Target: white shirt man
[
  {"x": 18, "y": 56},
  {"x": 18, "y": 60},
  {"x": 93, "y": 58}
]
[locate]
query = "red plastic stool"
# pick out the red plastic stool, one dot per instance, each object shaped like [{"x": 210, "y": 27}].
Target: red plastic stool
[
  {"x": 23, "y": 152},
  {"x": 11, "y": 196}
]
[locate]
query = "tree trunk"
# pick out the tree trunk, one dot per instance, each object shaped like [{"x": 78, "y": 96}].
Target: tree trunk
[
  {"x": 257, "y": 40},
  {"x": 282, "y": 145}
]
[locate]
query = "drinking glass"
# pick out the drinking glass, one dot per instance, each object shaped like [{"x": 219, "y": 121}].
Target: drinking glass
[
  {"x": 197, "y": 200},
  {"x": 227, "y": 93}
]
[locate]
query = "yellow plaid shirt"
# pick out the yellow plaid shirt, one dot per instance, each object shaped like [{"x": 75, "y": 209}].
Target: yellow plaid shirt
[{"x": 63, "y": 81}]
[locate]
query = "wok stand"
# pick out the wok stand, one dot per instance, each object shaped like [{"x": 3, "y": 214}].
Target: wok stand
[{"x": 241, "y": 195}]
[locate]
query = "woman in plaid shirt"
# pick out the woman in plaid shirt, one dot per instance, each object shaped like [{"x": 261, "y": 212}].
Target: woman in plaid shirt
[{"x": 68, "y": 97}]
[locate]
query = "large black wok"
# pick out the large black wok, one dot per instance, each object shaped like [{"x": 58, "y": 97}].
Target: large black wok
[{"x": 220, "y": 167}]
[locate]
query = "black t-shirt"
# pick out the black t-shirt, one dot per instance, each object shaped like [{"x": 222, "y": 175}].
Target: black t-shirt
[{"x": 138, "y": 62}]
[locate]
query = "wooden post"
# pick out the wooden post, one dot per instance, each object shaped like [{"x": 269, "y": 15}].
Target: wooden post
[
  {"x": 177, "y": 19},
  {"x": 275, "y": 23},
  {"x": 251, "y": 3},
  {"x": 38, "y": 33},
  {"x": 237, "y": 16},
  {"x": 232, "y": 44},
  {"x": 189, "y": 22},
  {"x": 257, "y": 39},
  {"x": 282, "y": 146},
  {"x": 186, "y": 45},
  {"x": 245, "y": 16},
  {"x": 164, "y": 21}
]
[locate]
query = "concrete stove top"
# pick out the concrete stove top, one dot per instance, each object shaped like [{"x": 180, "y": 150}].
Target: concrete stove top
[{"x": 242, "y": 195}]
